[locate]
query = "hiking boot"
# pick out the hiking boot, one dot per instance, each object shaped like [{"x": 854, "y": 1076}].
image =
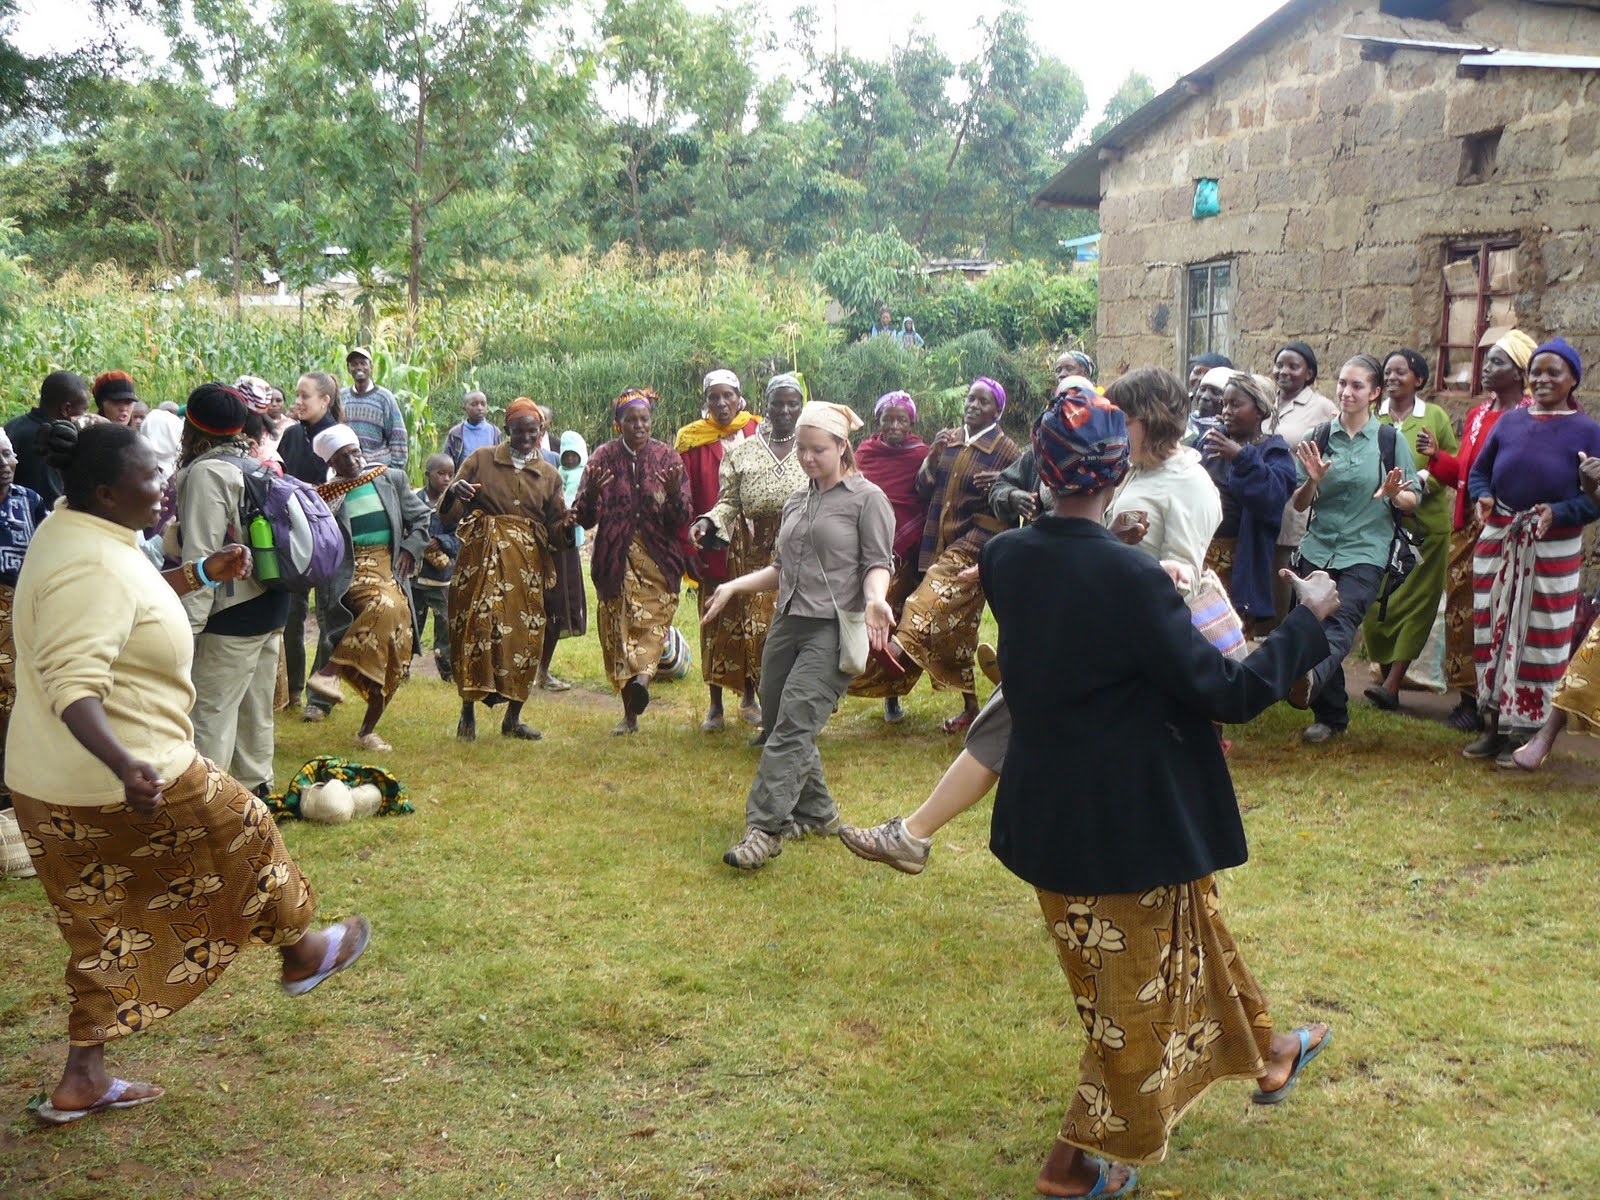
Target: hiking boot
[
  {"x": 1488, "y": 746},
  {"x": 1318, "y": 732},
  {"x": 804, "y": 827},
  {"x": 753, "y": 849},
  {"x": 889, "y": 843},
  {"x": 1513, "y": 743}
]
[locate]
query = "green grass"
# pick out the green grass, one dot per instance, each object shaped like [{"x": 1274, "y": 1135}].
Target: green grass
[{"x": 568, "y": 995}]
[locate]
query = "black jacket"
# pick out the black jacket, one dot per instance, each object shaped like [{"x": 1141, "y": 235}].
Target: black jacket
[
  {"x": 1114, "y": 780},
  {"x": 32, "y": 471},
  {"x": 1019, "y": 479},
  {"x": 299, "y": 460}
]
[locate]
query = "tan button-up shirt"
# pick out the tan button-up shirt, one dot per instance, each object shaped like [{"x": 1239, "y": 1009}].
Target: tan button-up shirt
[{"x": 827, "y": 543}]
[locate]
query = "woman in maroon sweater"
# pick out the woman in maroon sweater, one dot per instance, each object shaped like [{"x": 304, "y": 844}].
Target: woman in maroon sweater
[{"x": 636, "y": 492}]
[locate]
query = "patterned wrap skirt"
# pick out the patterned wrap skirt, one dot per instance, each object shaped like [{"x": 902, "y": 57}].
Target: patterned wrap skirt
[
  {"x": 8, "y": 675},
  {"x": 633, "y": 625},
  {"x": 154, "y": 909},
  {"x": 1578, "y": 693},
  {"x": 876, "y": 682},
  {"x": 939, "y": 626},
  {"x": 1460, "y": 668},
  {"x": 730, "y": 647},
  {"x": 376, "y": 649},
  {"x": 1525, "y": 598},
  {"x": 566, "y": 606},
  {"x": 497, "y": 614},
  {"x": 1168, "y": 1006}
]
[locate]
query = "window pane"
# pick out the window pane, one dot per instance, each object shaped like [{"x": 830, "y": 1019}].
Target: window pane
[
  {"x": 1464, "y": 320},
  {"x": 1458, "y": 369},
  {"x": 1199, "y": 293},
  {"x": 1199, "y": 342},
  {"x": 1222, "y": 333},
  {"x": 1502, "y": 271},
  {"x": 1221, "y": 291},
  {"x": 1461, "y": 276},
  {"x": 1503, "y": 311}
]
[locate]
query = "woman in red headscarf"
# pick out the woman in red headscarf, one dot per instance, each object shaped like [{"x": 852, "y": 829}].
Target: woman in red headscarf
[
  {"x": 636, "y": 493},
  {"x": 891, "y": 459}
]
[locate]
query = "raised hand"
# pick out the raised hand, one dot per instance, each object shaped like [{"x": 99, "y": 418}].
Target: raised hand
[
  {"x": 1316, "y": 591},
  {"x": 1589, "y": 474},
  {"x": 1391, "y": 485},
  {"x": 1130, "y": 527},
  {"x": 1316, "y": 467},
  {"x": 1218, "y": 443}
]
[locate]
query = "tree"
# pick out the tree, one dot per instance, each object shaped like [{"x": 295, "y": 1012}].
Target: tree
[{"x": 1131, "y": 95}]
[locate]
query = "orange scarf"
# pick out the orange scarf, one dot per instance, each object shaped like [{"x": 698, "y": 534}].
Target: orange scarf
[
  {"x": 334, "y": 489},
  {"x": 705, "y": 431}
]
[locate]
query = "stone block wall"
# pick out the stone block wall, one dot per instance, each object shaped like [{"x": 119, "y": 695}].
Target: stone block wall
[{"x": 1339, "y": 183}]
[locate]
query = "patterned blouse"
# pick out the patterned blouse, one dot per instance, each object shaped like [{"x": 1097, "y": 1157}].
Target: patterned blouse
[
  {"x": 959, "y": 517},
  {"x": 20, "y": 514},
  {"x": 753, "y": 483},
  {"x": 634, "y": 503}
]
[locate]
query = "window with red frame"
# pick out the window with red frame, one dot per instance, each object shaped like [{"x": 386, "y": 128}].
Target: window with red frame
[{"x": 1480, "y": 284}]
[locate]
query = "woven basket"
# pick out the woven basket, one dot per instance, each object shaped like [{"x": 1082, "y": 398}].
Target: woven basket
[{"x": 14, "y": 860}]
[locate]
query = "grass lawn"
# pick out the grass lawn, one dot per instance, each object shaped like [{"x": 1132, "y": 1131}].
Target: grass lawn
[{"x": 568, "y": 994}]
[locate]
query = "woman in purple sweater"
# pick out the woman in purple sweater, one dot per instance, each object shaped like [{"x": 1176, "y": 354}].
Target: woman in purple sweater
[{"x": 1525, "y": 568}]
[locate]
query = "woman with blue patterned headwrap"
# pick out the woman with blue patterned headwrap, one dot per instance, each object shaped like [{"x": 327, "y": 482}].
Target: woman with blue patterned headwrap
[{"x": 1122, "y": 845}]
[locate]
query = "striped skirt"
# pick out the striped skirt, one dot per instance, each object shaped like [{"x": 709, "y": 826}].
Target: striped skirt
[{"x": 1524, "y": 599}]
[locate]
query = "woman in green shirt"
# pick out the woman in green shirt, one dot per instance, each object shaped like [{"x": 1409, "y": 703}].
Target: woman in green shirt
[
  {"x": 366, "y": 622},
  {"x": 1397, "y": 636}
]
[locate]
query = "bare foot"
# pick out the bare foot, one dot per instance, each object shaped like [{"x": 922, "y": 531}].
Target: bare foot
[
  {"x": 1286, "y": 1054},
  {"x": 1070, "y": 1172},
  {"x": 1531, "y": 757}
]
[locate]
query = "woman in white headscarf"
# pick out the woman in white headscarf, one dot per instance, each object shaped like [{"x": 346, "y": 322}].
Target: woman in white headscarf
[
  {"x": 835, "y": 551},
  {"x": 365, "y": 610}
]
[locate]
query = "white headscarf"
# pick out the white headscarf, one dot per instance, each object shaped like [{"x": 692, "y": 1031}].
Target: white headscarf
[
  {"x": 332, "y": 440},
  {"x": 838, "y": 419},
  {"x": 164, "y": 431}
]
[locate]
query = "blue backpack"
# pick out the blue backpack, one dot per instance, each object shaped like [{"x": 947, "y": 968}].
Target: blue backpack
[{"x": 291, "y": 532}]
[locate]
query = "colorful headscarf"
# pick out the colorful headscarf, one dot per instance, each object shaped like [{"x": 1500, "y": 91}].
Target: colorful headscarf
[
  {"x": 896, "y": 400},
  {"x": 523, "y": 407},
  {"x": 1080, "y": 387},
  {"x": 838, "y": 419},
  {"x": 1418, "y": 365},
  {"x": 1083, "y": 361},
  {"x": 257, "y": 392},
  {"x": 1563, "y": 350},
  {"x": 1080, "y": 446},
  {"x": 1519, "y": 347},
  {"x": 999, "y": 392},
  {"x": 216, "y": 409},
  {"x": 627, "y": 400}
]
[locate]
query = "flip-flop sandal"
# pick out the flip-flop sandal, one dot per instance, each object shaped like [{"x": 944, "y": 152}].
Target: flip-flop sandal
[
  {"x": 713, "y": 725},
  {"x": 960, "y": 724},
  {"x": 552, "y": 684},
  {"x": 1307, "y": 1053},
  {"x": 1128, "y": 1187},
  {"x": 51, "y": 1115},
  {"x": 330, "y": 965},
  {"x": 750, "y": 714}
]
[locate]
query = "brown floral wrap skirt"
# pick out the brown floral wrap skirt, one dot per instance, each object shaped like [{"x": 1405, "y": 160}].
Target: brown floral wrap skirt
[
  {"x": 497, "y": 614},
  {"x": 633, "y": 625},
  {"x": 376, "y": 649}
]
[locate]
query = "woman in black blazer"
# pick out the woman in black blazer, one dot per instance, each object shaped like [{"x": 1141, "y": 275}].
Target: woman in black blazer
[{"x": 1117, "y": 806}]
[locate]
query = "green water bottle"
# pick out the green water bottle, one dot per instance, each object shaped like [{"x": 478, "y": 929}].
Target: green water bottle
[{"x": 262, "y": 549}]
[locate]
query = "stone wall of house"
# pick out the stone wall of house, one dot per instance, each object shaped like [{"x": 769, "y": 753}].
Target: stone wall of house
[{"x": 1339, "y": 187}]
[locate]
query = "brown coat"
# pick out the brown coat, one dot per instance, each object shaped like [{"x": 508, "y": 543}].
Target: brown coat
[{"x": 533, "y": 493}]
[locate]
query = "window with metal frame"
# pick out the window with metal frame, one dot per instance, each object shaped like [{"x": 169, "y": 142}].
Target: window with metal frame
[
  {"x": 1210, "y": 309},
  {"x": 1480, "y": 285}
]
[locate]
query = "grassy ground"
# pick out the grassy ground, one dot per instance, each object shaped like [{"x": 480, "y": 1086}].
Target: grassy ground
[{"x": 569, "y": 995}]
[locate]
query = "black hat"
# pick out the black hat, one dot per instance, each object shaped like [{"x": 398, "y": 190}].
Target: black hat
[{"x": 216, "y": 409}]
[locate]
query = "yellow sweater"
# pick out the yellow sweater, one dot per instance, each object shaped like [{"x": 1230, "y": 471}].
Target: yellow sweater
[{"x": 93, "y": 617}]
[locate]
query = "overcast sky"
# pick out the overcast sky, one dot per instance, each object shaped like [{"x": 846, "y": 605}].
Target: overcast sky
[{"x": 1102, "y": 39}]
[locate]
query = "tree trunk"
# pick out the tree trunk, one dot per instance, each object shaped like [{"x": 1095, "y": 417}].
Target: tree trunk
[
  {"x": 634, "y": 161},
  {"x": 419, "y": 156}
]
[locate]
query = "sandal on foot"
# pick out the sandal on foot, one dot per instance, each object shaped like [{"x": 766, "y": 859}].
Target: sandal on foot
[
  {"x": 522, "y": 731},
  {"x": 1522, "y": 760},
  {"x": 360, "y": 933},
  {"x": 1100, "y": 1185},
  {"x": 714, "y": 724},
  {"x": 750, "y": 714},
  {"x": 623, "y": 729},
  {"x": 552, "y": 684},
  {"x": 51, "y": 1115},
  {"x": 1307, "y": 1053},
  {"x": 960, "y": 723}
]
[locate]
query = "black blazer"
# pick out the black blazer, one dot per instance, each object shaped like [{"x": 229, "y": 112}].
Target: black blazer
[{"x": 1114, "y": 779}]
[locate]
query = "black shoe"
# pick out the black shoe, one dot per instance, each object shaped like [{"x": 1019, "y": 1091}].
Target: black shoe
[
  {"x": 1487, "y": 746},
  {"x": 1381, "y": 697}
]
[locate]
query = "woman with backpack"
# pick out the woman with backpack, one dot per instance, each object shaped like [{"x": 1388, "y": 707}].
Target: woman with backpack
[
  {"x": 365, "y": 610},
  {"x": 237, "y": 628},
  {"x": 1355, "y": 474}
]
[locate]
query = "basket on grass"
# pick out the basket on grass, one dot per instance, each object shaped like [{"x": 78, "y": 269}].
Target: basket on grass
[{"x": 14, "y": 860}]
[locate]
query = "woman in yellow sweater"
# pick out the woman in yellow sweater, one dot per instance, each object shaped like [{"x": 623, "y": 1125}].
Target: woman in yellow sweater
[{"x": 158, "y": 867}]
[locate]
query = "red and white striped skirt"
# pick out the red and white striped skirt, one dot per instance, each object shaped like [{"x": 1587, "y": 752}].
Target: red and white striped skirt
[{"x": 1524, "y": 600}]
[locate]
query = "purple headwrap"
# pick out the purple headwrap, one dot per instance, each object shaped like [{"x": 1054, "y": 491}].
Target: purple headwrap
[
  {"x": 999, "y": 392},
  {"x": 1562, "y": 349},
  {"x": 1080, "y": 445},
  {"x": 896, "y": 400}
]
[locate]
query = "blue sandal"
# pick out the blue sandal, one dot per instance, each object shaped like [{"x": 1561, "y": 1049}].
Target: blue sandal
[
  {"x": 1100, "y": 1185},
  {"x": 1307, "y": 1053}
]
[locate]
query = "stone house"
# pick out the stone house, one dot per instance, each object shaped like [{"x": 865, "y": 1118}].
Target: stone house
[{"x": 1386, "y": 173}]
